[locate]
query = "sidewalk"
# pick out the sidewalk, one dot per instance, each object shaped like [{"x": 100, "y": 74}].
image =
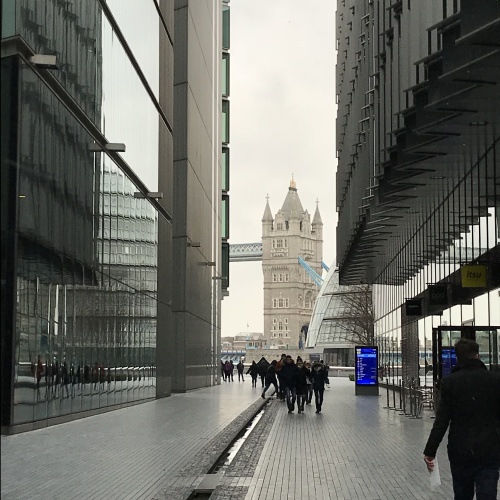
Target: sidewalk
[
  {"x": 161, "y": 450},
  {"x": 355, "y": 449},
  {"x": 131, "y": 453}
]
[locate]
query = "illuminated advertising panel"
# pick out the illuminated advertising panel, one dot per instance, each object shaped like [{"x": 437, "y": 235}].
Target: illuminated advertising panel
[
  {"x": 448, "y": 360},
  {"x": 366, "y": 366}
]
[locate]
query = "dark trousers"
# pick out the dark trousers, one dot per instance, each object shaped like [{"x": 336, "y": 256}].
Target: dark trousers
[
  {"x": 269, "y": 384},
  {"x": 318, "y": 397},
  {"x": 240, "y": 374},
  {"x": 291, "y": 396},
  {"x": 301, "y": 400},
  {"x": 309, "y": 395},
  {"x": 281, "y": 392},
  {"x": 254, "y": 380},
  {"x": 484, "y": 477}
]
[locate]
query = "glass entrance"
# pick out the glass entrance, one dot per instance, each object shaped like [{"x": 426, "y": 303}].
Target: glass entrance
[{"x": 443, "y": 349}]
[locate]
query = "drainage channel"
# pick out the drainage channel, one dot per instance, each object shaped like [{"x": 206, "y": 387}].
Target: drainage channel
[
  {"x": 227, "y": 457},
  {"x": 204, "y": 491}
]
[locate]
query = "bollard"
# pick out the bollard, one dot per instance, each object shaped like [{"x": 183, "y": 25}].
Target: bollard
[
  {"x": 388, "y": 407},
  {"x": 400, "y": 396},
  {"x": 410, "y": 393},
  {"x": 403, "y": 398},
  {"x": 394, "y": 396}
]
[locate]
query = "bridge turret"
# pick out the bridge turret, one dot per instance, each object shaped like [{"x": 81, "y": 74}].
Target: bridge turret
[{"x": 267, "y": 220}]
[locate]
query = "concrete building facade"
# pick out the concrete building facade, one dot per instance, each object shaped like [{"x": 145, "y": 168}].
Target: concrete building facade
[{"x": 289, "y": 292}]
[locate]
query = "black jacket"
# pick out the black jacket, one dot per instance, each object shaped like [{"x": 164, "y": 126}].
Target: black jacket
[
  {"x": 302, "y": 380},
  {"x": 253, "y": 370},
  {"x": 290, "y": 375},
  {"x": 470, "y": 404},
  {"x": 319, "y": 377},
  {"x": 271, "y": 374}
]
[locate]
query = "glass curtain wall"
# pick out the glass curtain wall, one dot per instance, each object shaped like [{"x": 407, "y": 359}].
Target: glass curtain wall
[
  {"x": 85, "y": 302},
  {"x": 478, "y": 243}
]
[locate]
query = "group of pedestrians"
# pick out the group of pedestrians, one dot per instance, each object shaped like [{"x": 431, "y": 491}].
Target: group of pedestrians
[{"x": 295, "y": 382}]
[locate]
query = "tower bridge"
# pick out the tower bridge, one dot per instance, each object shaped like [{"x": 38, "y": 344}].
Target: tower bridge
[{"x": 245, "y": 252}]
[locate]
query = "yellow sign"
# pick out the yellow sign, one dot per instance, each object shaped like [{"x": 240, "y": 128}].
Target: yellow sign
[{"x": 473, "y": 276}]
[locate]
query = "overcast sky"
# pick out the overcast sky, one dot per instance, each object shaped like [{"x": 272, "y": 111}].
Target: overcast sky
[{"x": 282, "y": 122}]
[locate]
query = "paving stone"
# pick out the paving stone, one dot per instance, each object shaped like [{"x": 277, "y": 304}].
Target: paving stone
[{"x": 162, "y": 450}]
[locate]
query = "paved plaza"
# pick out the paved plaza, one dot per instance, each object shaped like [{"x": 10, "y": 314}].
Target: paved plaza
[{"x": 164, "y": 449}]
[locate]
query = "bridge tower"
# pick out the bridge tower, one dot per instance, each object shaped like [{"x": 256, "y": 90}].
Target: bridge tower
[{"x": 289, "y": 292}]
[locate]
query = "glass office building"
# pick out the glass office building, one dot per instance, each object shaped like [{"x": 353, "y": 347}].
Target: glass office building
[
  {"x": 341, "y": 318},
  {"x": 86, "y": 124},
  {"x": 418, "y": 174}
]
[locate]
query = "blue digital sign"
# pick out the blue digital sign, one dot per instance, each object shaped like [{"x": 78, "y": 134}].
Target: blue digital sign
[
  {"x": 366, "y": 366},
  {"x": 448, "y": 360}
]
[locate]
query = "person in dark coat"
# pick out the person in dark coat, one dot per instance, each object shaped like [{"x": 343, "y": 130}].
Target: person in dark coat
[
  {"x": 319, "y": 377},
  {"x": 281, "y": 363},
  {"x": 309, "y": 382},
  {"x": 231, "y": 374},
  {"x": 254, "y": 373},
  {"x": 470, "y": 405},
  {"x": 290, "y": 375},
  {"x": 228, "y": 371},
  {"x": 240, "y": 367},
  {"x": 301, "y": 386},
  {"x": 263, "y": 365},
  {"x": 271, "y": 379}
]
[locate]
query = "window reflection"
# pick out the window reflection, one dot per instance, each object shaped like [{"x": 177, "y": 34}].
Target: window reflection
[{"x": 86, "y": 287}]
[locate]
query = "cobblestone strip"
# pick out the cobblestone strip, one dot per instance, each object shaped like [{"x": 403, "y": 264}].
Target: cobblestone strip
[
  {"x": 245, "y": 462},
  {"x": 180, "y": 486}
]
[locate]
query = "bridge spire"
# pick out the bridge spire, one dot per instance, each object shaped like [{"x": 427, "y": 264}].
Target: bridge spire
[{"x": 268, "y": 216}]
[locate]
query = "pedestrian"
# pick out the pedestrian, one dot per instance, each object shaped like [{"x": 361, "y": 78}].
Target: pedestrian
[
  {"x": 263, "y": 366},
  {"x": 232, "y": 370},
  {"x": 271, "y": 379},
  {"x": 279, "y": 366},
  {"x": 309, "y": 382},
  {"x": 319, "y": 378},
  {"x": 290, "y": 375},
  {"x": 227, "y": 371},
  {"x": 65, "y": 379},
  {"x": 254, "y": 373},
  {"x": 48, "y": 375},
  {"x": 56, "y": 371},
  {"x": 470, "y": 405},
  {"x": 301, "y": 386},
  {"x": 39, "y": 373},
  {"x": 240, "y": 367}
]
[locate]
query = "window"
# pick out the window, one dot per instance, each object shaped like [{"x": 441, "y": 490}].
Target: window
[
  {"x": 225, "y": 216},
  {"x": 225, "y": 121},
  {"x": 225, "y": 169},
  {"x": 225, "y": 74},
  {"x": 279, "y": 226},
  {"x": 281, "y": 303},
  {"x": 225, "y": 266},
  {"x": 225, "y": 27}
]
